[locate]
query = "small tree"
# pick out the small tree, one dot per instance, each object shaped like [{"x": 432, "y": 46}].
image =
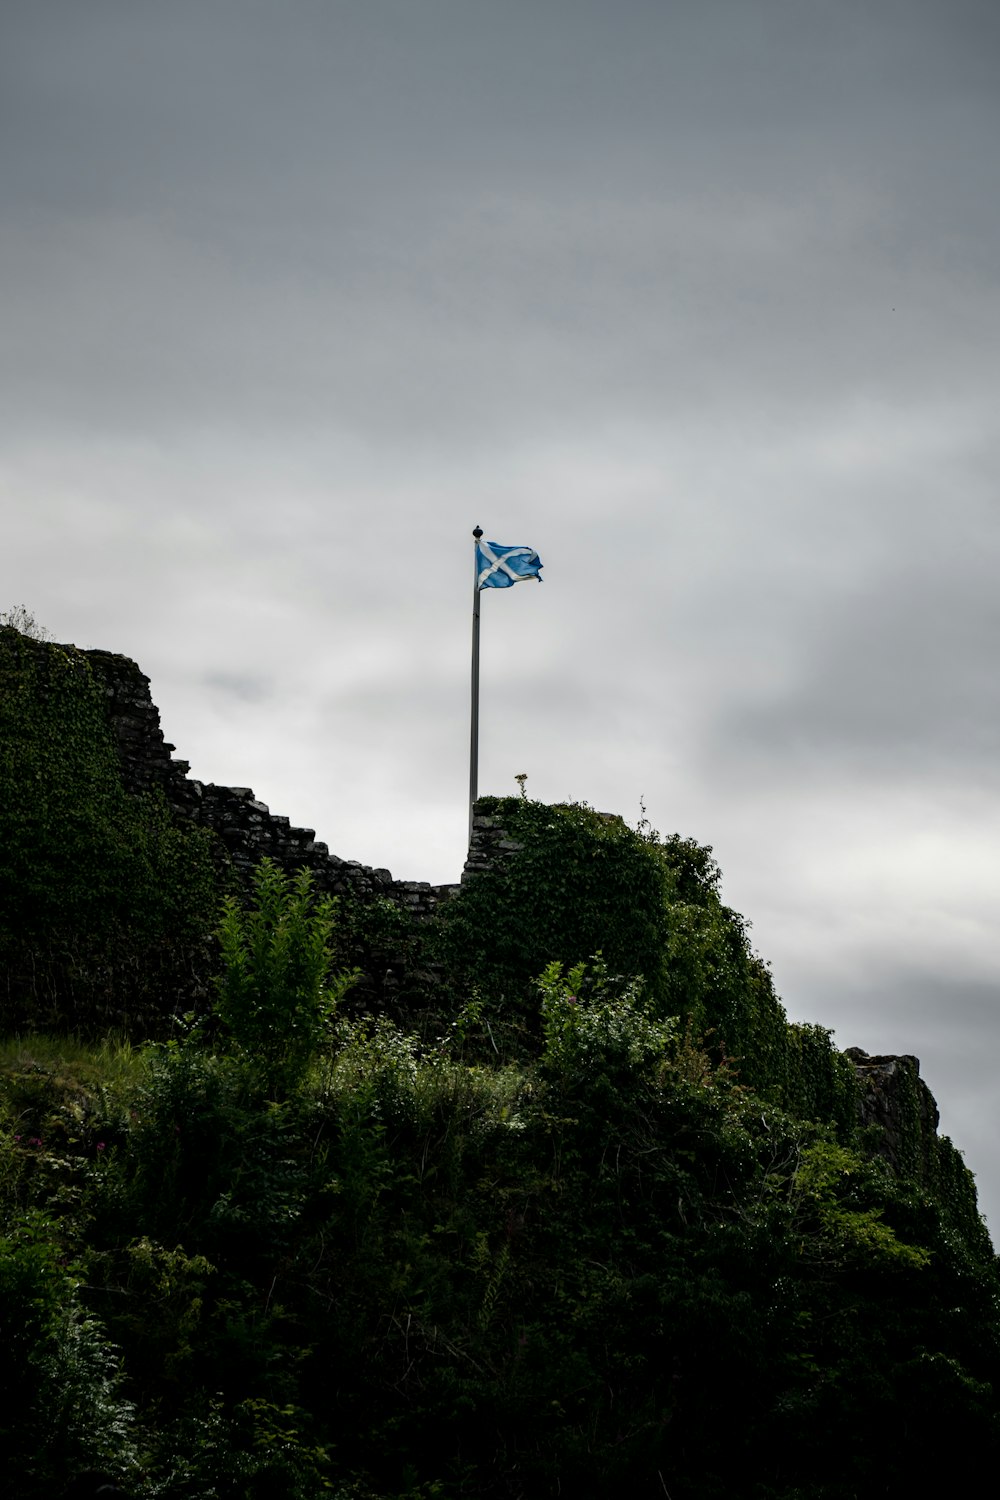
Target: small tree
[{"x": 278, "y": 990}]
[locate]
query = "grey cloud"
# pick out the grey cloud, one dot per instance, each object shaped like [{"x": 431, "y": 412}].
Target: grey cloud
[
  {"x": 243, "y": 687},
  {"x": 447, "y": 345},
  {"x": 893, "y": 679},
  {"x": 392, "y": 275}
]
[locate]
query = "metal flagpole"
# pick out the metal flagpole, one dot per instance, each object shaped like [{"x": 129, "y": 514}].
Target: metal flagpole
[{"x": 474, "y": 747}]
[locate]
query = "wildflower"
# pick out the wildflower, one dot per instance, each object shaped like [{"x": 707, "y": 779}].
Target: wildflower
[{"x": 100, "y": 1145}]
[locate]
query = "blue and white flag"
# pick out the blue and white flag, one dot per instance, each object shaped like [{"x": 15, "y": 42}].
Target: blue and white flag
[{"x": 499, "y": 567}]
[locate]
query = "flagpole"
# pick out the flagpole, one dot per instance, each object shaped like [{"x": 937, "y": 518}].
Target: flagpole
[{"x": 474, "y": 746}]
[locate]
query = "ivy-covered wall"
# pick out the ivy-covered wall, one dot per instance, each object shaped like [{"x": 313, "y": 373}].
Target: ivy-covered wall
[
  {"x": 564, "y": 883},
  {"x": 106, "y": 899},
  {"x": 245, "y": 826},
  {"x": 561, "y": 883},
  {"x": 113, "y": 862}
]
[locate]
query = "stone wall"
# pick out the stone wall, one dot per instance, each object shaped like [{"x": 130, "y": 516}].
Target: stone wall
[
  {"x": 488, "y": 844},
  {"x": 247, "y": 827},
  {"x": 893, "y": 1096}
]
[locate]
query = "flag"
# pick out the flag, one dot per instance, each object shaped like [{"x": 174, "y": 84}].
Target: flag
[{"x": 499, "y": 567}]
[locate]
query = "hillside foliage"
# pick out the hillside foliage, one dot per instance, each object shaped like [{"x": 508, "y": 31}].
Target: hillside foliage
[{"x": 579, "y": 1214}]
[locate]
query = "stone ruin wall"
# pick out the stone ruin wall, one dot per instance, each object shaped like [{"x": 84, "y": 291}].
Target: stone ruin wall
[
  {"x": 250, "y": 831},
  {"x": 247, "y": 828}
]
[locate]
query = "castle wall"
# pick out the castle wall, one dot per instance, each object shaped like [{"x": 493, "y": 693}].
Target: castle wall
[
  {"x": 893, "y": 1096},
  {"x": 247, "y": 827}
]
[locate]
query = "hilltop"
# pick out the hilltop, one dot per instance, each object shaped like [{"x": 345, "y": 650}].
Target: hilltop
[{"x": 316, "y": 1182}]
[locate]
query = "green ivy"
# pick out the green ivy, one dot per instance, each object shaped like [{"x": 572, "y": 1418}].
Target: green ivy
[
  {"x": 574, "y": 883},
  {"x": 580, "y": 883},
  {"x": 106, "y": 900}
]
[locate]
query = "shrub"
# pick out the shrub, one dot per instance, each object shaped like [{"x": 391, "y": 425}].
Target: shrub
[
  {"x": 278, "y": 990},
  {"x": 61, "y": 1404},
  {"x": 592, "y": 1023}
]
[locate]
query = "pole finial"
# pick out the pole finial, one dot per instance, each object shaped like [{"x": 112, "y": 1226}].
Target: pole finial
[{"x": 477, "y": 532}]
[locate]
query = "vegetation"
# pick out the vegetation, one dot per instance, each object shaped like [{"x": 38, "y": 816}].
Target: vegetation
[
  {"x": 278, "y": 993},
  {"x": 582, "y": 883},
  {"x": 106, "y": 901},
  {"x": 579, "y": 1214},
  {"x": 20, "y": 618}
]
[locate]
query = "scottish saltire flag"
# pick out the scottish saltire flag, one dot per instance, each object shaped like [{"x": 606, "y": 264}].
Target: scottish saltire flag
[{"x": 499, "y": 567}]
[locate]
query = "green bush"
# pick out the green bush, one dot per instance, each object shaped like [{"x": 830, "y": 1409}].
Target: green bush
[
  {"x": 417, "y": 1276},
  {"x": 278, "y": 991},
  {"x": 61, "y": 1401},
  {"x": 590, "y": 1025}
]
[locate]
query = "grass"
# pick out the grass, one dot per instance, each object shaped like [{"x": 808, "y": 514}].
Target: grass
[
  {"x": 79, "y": 1062},
  {"x": 61, "y": 1088}
]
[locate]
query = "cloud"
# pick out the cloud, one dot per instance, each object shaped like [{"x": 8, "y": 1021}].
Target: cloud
[
  {"x": 244, "y": 688},
  {"x": 896, "y": 680}
]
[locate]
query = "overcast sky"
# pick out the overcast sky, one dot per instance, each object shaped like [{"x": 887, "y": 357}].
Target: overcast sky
[{"x": 700, "y": 298}]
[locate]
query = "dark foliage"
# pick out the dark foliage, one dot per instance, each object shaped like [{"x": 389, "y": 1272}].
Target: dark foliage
[
  {"x": 106, "y": 901},
  {"x": 567, "y": 1208}
]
